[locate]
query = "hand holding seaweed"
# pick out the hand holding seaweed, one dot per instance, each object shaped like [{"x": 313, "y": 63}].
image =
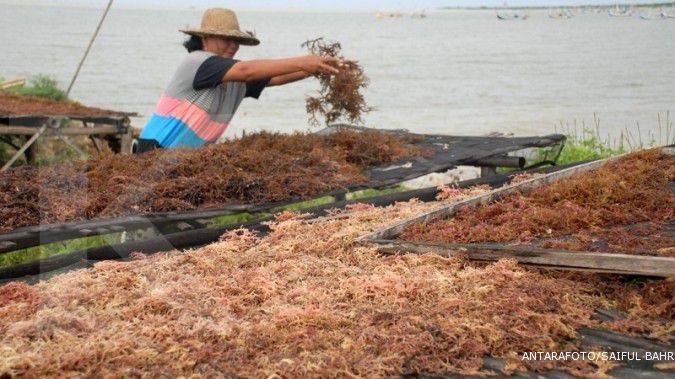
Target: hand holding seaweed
[{"x": 339, "y": 96}]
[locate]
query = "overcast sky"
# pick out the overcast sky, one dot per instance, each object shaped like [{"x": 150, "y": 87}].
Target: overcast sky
[{"x": 331, "y": 4}]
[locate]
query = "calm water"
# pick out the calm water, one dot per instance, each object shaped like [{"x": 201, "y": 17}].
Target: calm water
[{"x": 461, "y": 72}]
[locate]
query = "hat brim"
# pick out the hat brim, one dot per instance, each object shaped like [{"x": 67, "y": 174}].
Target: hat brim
[{"x": 241, "y": 37}]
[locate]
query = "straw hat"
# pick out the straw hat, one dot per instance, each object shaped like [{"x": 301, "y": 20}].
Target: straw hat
[{"x": 222, "y": 22}]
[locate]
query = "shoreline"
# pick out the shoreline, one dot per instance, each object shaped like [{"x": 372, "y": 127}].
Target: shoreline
[{"x": 200, "y": 8}]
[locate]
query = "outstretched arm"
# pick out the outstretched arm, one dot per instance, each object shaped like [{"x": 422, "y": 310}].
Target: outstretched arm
[
  {"x": 288, "y": 78},
  {"x": 247, "y": 71}
]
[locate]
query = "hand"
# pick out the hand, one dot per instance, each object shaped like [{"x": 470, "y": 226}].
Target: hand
[{"x": 315, "y": 64}]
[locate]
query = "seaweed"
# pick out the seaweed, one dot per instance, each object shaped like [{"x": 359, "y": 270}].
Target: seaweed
[
  {"x": 601, "y": 204},
  {"x": 307, "y": 301},
  {"x": 14, "y": 104},
  {"x": 258, "y": 168},
  {"x": 340, "y": 95}
]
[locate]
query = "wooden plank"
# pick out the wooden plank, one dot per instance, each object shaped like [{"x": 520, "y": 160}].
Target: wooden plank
[
  {"x": 620, "y": 342},
  {"x": 548, "y": 258},
  {"x": 29, "y": 131},
  {"x": 93, "y": 139},
  {"x": 447, "y": 210},
  {"x": 126, "y": 141},
  {"x": 38, "y": 119},
  {"x": 97, "y": 144},
  {"x": 12, "y": 83}
]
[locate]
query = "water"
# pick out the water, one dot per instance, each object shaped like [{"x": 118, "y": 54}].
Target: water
[{"x": 459, "y": 72}]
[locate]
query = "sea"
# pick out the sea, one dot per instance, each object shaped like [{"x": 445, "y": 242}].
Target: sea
[{"x": 458, "y": 72}]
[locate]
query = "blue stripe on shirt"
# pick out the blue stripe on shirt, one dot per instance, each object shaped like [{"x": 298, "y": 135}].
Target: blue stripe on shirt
[{"x": 171, "y": 132}]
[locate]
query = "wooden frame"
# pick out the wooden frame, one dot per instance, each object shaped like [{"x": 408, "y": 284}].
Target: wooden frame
[
  {"x": 35, "y": 127},
  {"x": 386, "y": 241},
  {"x": 86, "y": 131}
]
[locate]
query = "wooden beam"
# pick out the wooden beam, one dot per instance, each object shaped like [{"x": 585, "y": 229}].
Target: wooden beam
[
  {"x": 32, "y": 152},
  {"x": 97, "y": 144},
  {"x": 126, "y": 141},
  {"x": 29, "y": 131},
  {"x": 12, "y": 83},
  {"x": 93, "y": 139},
  {"x": 547, "y": 258}
]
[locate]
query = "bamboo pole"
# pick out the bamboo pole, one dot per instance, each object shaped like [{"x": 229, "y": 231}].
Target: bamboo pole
[{"x": 86, "y": 52}]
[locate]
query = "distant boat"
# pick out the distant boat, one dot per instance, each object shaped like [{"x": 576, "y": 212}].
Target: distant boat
[
  {"x": 514, "y": 16},
  {"x": 387, "y": 16},
  {"x": 667, "y": 15},
  {"x": 560, "y": 15},
  {"x": 421, "y": 14},
  {"x": 647, "y": 16},
  {"x": 618, "y": 12}
]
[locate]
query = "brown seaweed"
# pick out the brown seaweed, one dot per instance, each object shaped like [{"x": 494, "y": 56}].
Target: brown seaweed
[
  {"x": 340, "y": 95},
  {"x": 258, "y": 168}
]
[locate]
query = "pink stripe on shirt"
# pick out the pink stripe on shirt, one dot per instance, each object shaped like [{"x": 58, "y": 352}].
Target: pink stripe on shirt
[{"x": 193, "y": 116}]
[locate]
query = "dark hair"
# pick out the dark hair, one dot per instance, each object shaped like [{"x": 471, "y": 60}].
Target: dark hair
[{"x": 194, "y": 43}]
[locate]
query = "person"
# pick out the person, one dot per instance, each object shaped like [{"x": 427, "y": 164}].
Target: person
[{"x": 209, "y": 85}]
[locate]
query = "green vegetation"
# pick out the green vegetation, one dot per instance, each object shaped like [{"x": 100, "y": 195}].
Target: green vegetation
[
  {"x": 49, "y": 250},
  {"x": 56, "y": 248},
  {"x": 66, "y": 154},
  {"x": 241, "y": 218},
  {"x": 238, "y": 218},
  {"x": 588, "y": 145},
  {"x": 42, "y": 86},
  {"x": 304, "y": 204},
  {"x": 371, "y": 192},
  {"x": 5, "y": 152}
]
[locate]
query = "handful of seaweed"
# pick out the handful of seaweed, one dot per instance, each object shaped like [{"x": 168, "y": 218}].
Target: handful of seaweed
[{"x": 339, "y": 96}]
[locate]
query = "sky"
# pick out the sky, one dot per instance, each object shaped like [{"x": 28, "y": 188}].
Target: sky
[{"x": 333, "y": 4}]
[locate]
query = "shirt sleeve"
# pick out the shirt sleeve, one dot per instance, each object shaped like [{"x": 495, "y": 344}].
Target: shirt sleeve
[
  {"x": 211, "y": 72},
  {"x": 254, "y": 89}
]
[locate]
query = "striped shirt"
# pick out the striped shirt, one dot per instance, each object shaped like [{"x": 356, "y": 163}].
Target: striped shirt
[{"x": 196, "y": 107}]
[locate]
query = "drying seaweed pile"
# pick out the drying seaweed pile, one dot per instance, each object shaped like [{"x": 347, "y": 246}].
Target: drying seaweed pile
[
  {"x": 259, "y": 168},
  {"x": 645, "y": 238},
  {"x": 625, "y": 206},
  {"x": 11, "y": 104},
  {"x": 340, "y": 95},
  {"x": 307, "y": 301}
]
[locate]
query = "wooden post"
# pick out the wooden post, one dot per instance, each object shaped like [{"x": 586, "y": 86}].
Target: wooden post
[
  {"x": 97, "y": 144},
  {"x": 93, "y": 139},
  {"x": 32, "y": 152},
  {"x": 126, "y": 141},
  {"x": 488, "y": 171}
]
